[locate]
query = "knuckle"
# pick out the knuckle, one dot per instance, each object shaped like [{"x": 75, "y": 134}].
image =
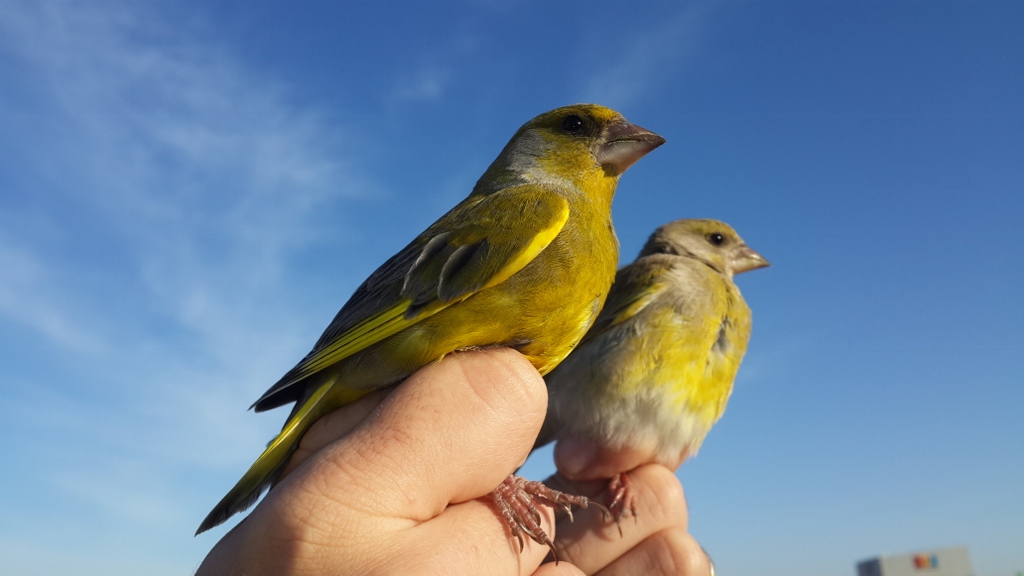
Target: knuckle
[
  {"x": 512, "y": 392},
  {"x": 666, "y": 498},
  {"x": 673, "y": 551}
]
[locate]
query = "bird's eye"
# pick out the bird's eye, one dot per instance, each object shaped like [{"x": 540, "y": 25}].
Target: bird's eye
[
  {"x": 572, "y": 124},
  {"x": 716, "y": 238}
]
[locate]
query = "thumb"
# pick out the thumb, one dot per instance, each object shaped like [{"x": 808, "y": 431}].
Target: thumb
[{"x": 450, "y": 433}]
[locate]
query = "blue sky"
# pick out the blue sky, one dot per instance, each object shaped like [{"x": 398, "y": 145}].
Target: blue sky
[{"x": 189, "y": 191}]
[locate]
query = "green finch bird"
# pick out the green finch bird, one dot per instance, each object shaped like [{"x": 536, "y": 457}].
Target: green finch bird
[
  {"x": 525, "y": 261},
  {"x": 655, "y": 370}
]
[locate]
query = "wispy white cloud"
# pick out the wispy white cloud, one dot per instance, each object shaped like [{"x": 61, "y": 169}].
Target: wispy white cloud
[
  {"x": 626, "y": 76},
  {"x": 196, "y": 165},
  {"x": 27, "y": 296},
  {"x": 149, "y": 506},
  {"x": 179, "y": 180},
  {"x": 434, "y": 70},
  {"x": 425, "y": 83}
]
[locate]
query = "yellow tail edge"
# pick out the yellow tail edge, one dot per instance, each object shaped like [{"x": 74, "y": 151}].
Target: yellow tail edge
[{"x": 265, "y": 469}]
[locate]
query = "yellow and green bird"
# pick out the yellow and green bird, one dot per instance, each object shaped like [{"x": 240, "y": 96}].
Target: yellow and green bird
[
  {"x": 656, "y": 369},
  {"x": 525, "y": 261}
]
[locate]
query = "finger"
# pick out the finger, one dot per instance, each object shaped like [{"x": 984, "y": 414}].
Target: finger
[
  {"x": 671, "y": 551},
  {"x": 474, "y": 534},
  {"x": 333, "y": 427},
  {"x": 592, "y": 542},
  {"x": 450, "y": 433},
  {"x": 580, "y": 458},
  {"x": 559, "y": 569}
]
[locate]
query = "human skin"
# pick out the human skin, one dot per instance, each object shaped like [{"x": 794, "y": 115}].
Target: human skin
[{"x": 395, "y": 484}]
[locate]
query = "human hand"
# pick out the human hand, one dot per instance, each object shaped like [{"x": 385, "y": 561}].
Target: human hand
[
  {"x": 654, "y": 541},
  {"x": 390, "y": 485}
]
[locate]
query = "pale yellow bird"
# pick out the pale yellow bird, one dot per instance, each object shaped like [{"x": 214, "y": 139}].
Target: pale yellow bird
[{"x": 656, "y": 369}]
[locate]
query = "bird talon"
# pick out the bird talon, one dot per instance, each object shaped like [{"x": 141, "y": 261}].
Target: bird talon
[
  {"x": 516, "y": 500},
  {"x": 568, "y": 512},
  {"x": 622, "y": 501}
]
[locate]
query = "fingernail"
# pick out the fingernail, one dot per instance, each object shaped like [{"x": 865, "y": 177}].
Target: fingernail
[{"x": 573, "y": 455}]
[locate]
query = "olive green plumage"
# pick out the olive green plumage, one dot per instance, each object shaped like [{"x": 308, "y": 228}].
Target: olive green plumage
[
  {"x": 525, "y": 261},
  {"x": 655, "y": 371}
]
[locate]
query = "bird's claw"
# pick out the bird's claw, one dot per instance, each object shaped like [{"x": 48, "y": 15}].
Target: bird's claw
[
  {"x": 622, "y": 501},
  {"x": 516, "y": 500}
]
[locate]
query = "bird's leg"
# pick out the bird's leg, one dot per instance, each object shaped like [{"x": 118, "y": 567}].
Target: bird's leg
[
  {"x": 516, "y": 500},
  {"x": 620, "y": 492}
]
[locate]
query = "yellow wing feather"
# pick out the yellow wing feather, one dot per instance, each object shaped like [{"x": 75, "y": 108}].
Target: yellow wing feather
[
  {"x": 512, "y": 245},
  {"x": 541, "y": 239},
  {"x": 360, "y": 336}
]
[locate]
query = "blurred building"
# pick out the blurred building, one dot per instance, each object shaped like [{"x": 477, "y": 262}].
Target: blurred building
[{"x": 942, "y": 562}]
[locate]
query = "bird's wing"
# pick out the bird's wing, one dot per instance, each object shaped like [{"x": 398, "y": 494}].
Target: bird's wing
[
  {"x": 478, "y": 244},
  {"x": 636, "y": 286}
]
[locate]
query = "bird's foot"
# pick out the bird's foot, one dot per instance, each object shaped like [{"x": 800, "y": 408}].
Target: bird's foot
[
  {"x": 516, "y": 500},
  {"x": 621, "y": 500}
]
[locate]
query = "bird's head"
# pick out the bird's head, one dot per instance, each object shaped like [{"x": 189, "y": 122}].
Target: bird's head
[
  {"x": 712, "y": 242},
  {"x": 584, "y": 145}
]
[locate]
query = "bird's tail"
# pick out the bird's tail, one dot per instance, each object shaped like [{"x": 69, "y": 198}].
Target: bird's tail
[{"x": 265, "y": 469}]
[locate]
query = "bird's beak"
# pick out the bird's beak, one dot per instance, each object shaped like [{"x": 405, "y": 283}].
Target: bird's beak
[
  {"x": 622, "y": 144},
  {"x": 745, "y": 259}
]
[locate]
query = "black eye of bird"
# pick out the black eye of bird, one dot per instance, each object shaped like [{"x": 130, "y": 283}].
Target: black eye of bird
[
  {"x": 716, "y": 238},
  {"x": 572, "y": 124}
]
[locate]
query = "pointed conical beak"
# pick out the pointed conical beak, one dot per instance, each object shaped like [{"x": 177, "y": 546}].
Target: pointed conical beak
[
  {"x": 622, "y": 144},
  {"x": 745, "y": 259}
]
